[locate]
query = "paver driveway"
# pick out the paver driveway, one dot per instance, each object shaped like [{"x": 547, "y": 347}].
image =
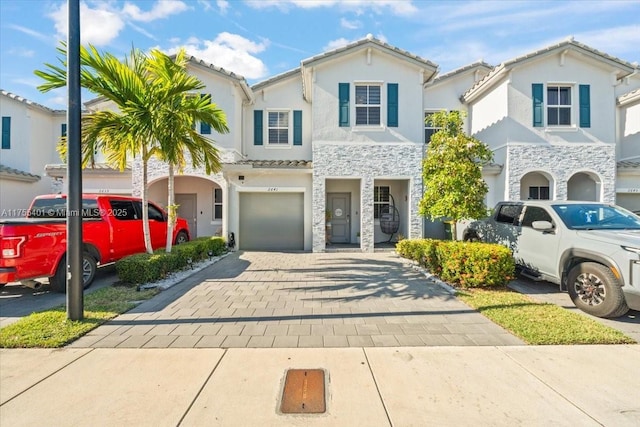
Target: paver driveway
[{"x": 264, "y": 299}]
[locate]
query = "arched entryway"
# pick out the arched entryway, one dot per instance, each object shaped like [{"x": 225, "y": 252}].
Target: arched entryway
[
  {"x": 200, "y": 201},
  {"x": 536, "y": 185},
  {"x": 584, "y": 186}
]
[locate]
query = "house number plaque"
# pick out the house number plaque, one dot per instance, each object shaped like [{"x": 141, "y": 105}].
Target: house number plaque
[{"x": 338, "y": 212}]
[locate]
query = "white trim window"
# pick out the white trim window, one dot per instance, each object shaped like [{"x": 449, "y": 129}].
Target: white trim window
[
  {"x": 368, "y": 104},
  {"x": 278, "y": 128},
  {"x": 539, "y": 193},
  {"x": 559, "y": 105},
  {"x": 429, "y": 129},
  {"x": 380, "y": 199},
  {"x": 217, "y": 204}
]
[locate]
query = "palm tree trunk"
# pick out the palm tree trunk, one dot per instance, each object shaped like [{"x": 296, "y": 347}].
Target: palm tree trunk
[
  {"x": 171, "y": 210},
  {"x": 145, "y": 204}
]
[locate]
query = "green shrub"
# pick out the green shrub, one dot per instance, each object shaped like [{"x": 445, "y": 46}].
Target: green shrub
[
  {"x": 468, "y": 265},
  {"x": 146, "y": 268}
]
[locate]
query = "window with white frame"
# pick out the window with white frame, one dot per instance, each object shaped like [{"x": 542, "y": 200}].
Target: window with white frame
[
  {"x": 539, "y": 193},
  {"x": 429, "y": 128},
  {"x": 278, "y": 128},
  {"x": 217, "y": 204},
  {"x": 558, "y": 105},
  {"x": 380, "y": 199},
  {"x": 367, "y": 104}
]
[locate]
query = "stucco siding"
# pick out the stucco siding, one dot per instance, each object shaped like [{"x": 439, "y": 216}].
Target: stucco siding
[
  {"x": 281, "y": 96},
  {"x": 356, "y": 68}
]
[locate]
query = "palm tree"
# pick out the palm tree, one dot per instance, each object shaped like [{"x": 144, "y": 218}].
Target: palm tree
[
  {"x": 156, "y": 112},
  {"x": 174, "y": 122}
]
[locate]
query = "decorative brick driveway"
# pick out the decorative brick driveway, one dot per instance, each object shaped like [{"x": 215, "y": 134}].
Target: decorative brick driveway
[{"x": 262, "y": 299}]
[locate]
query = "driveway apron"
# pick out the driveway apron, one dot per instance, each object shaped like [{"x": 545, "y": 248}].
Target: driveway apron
[{"x": 268, "y": 299}]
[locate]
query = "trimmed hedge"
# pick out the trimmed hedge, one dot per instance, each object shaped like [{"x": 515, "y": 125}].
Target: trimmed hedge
[
  {"x": 145, "y": 268},
  {"x": 467, "y": 264}
]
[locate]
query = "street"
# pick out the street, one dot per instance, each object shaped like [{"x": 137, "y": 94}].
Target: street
[{"x": 17, "y": 301}]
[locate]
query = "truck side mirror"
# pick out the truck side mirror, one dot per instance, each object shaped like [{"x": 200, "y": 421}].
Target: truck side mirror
[{"x": 542, "y": 225}]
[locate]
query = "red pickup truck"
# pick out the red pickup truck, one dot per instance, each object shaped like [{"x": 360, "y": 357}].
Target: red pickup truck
[{"x": 35, "y": 245}]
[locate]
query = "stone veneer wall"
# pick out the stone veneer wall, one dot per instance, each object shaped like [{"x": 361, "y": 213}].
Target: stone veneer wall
[
  {"x": 158, "y": 169},
  {"x": 366, "y": 162},
  {"x": 562, "y": 161}
]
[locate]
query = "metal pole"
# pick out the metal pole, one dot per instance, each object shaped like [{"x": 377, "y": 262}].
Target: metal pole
[{"x": 75, "y": 302}]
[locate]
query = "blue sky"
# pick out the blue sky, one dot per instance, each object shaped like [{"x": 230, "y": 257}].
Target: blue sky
[{"x": 259, "y": 39}]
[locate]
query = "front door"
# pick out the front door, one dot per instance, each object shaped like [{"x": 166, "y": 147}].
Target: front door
[
  {"x": 187, "y": 209},
  {"x": 339, "y": 206}
]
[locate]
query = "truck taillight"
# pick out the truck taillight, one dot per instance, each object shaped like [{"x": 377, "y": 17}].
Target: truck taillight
[{"x": 10, "y": 246}]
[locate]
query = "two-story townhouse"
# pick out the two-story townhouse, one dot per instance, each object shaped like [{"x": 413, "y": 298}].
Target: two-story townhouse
[
  {"x": 550, "y": 119},
  {"x": 30, "y": 132},
  {"x": 367, "y": 141},
  {"x": 341, "y": 139}
]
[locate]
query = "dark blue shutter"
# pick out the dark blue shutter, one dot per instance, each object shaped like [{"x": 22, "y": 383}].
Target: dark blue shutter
[
  {"x": 63, "y": 130},
  {"x": 257, "y": 127},
  {"x": 343, "y": 94},
  {"x": 537, "y": 91},
  {"x": 585, "y": 106},
  {"x": 297, "y": 127},
  {"x": 6, "y": 133},
  {"x": 392, "y": 105},
  {"x": 205, "y": 128}
]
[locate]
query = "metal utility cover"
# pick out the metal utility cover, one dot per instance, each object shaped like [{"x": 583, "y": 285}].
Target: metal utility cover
[{"x": 303, "y": 392}]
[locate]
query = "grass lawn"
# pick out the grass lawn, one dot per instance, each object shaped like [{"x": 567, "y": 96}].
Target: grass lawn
[
  {"x": 539, "y": 323},
  {"x": 51, "y": 328}
]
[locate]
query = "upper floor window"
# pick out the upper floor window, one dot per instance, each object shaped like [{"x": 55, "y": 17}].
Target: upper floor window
[
  {"x": 278, "y": 127},
  {"x": 368, "y": 104},
  {"x": 6, "y": 133},
  {"x": 282, "y": 127},
  {"x": 63, "y": 130},
  {"x": 558, "y": 105},
  {"x": 565, "y": 104},
  {"x": 429, "y": 128}
]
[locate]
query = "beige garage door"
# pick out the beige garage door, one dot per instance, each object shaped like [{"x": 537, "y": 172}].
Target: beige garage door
[{"x": 271, "y": 221}]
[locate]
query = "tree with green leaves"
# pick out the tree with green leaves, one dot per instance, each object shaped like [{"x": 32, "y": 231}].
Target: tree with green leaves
[
  {"x": 452, "y": 171},
  {"x": 175, "y": 120},
  {"x": 156, "y": 113}
]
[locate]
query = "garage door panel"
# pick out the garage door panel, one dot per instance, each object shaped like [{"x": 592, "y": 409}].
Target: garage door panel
[{"x": 271, "y": 222}]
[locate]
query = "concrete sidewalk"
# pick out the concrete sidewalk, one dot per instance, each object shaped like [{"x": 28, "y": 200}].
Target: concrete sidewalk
[
  {"x": 407, "y": 386},
  {"x": 396, "y": 349}
]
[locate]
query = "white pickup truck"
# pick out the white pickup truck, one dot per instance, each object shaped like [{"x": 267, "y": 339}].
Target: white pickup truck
[{"x": 592, "y": 250}]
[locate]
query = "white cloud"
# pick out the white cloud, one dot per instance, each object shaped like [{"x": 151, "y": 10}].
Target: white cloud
[
  {"x": 621, "y": 41},
  {"x": 223, "y": 5},
  {"x": 341, "y": 42},
  {"x": 30, "y": 32},
  {"x": 396, "y": 7},
  {"x": 25, "y": 53},
  {"x": 97, "y": 26},
  {"x": 229, "y": 51},
  {"x": 350, "y": 25},
  {"x": 335, "y": 44},
  {"x": 206, "y": 4},
  {"x": 160, "y": 10}
]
